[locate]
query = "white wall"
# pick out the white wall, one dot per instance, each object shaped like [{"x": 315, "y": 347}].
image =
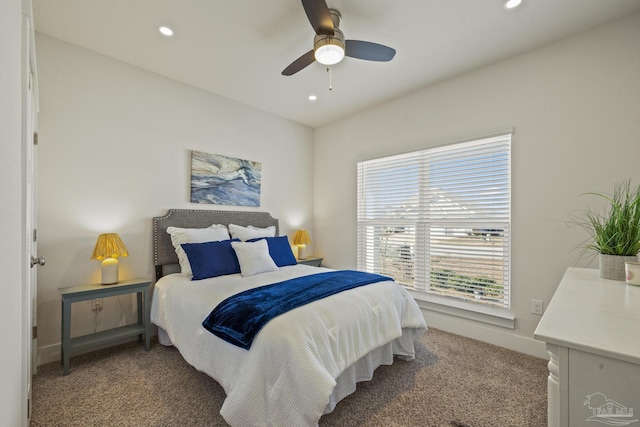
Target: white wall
[
  {"x": 575, "y": 108},
  {"x": 115, "y": 144},
  {"x": 114, "y": 151},
  {"x": 12, "y": 357}
]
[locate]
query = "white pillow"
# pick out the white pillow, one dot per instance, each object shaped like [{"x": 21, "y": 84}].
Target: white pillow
[
  {"x": 213, "y": 233},
  {"x": 251, "y": 232},
  {"x": 254, "y": 257}
]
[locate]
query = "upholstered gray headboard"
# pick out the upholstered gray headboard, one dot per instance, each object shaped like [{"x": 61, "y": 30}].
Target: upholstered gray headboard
[{"x": 164, "y": 253}]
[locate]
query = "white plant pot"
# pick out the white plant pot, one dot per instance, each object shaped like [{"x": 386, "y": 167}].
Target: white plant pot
[{"x": 612, "y": 266}]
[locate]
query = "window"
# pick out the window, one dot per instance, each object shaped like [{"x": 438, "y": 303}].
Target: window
[{"x": 438, "y": 220}]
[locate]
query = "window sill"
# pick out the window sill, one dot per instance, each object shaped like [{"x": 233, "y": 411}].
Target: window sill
[{"x": 489, "y": 315}]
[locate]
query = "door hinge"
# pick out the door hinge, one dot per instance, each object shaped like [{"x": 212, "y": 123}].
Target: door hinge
[
  {"x": 34, "y": 332},
  {"x": 35, "y": 138},
  {"x": 35, "y": 234}
]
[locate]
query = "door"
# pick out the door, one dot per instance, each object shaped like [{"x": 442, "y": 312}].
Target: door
[
  {"x": 29, "y": 139},
  {"x": 31, "y": 236}
]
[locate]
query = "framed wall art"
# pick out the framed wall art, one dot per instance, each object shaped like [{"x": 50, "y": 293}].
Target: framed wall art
[{"x": 222, "y": 180}]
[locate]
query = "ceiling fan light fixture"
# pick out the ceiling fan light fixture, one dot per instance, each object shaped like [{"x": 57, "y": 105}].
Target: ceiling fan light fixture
[
  {"x": 329, "y": 51},
  {"x": 329, "y": 44}
]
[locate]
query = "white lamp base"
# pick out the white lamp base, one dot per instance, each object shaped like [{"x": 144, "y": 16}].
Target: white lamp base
[
  {"x": 109, "y": 271},
  {"x": 302, "y": 251}
]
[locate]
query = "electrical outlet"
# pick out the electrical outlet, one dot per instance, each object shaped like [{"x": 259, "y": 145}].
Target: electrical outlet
[
  {"x": 537, "y": 306},
  {"x": 96, "y": 304}
]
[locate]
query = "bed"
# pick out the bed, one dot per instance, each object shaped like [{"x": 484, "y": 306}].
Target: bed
[{"x": 301, "y": 363}]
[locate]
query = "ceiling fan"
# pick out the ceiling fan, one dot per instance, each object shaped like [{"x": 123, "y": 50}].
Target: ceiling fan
[{"x": 329, "y": 44}]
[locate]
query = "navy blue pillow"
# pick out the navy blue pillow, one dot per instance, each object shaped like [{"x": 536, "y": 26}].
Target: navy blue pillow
[
  {"x": 211, "y": 259},
  {"x": 279, "y": 249}
]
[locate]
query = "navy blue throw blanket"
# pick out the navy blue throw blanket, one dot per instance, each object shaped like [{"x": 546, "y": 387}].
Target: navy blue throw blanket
[{"x": 239, "y": 318}]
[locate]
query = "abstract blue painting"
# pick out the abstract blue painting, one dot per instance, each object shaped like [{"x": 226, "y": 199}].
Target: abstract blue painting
[{"x": 222, "y": 180}]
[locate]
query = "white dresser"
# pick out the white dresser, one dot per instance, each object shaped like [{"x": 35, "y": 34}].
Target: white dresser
[{"x": 592, "y": 331}]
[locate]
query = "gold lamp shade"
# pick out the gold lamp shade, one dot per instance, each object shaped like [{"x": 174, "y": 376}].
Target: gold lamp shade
[
  {"x": 302, "y": 240},
  {"x": 108, "y": 248}
]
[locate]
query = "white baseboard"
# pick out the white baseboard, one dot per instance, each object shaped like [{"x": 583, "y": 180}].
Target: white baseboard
[
  {"x": 53, "y": 353},
  {"x": 500, "y": 337},
  {"x": 48, "y": 354}
]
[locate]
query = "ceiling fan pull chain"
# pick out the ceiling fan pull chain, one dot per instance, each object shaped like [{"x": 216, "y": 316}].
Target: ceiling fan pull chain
[{"x": 329, "y": 71}]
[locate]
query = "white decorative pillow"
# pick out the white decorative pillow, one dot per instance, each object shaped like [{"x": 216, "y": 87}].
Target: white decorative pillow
[
  {"x": 213, "y": 233},
  {"x": 254, "y": 257},
  {"x": 251, "y": 232}
]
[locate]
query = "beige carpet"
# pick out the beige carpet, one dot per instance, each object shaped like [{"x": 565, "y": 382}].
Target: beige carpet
[{"x": 454, "y": 381}]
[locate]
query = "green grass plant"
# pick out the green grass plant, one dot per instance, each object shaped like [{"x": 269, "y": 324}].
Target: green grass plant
[{"x": 617, "y": 230}]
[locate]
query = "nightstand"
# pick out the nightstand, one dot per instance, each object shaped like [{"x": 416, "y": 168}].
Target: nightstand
[
  {"x": 102, "y": 339},
  {"x": 311, "y": 260}
]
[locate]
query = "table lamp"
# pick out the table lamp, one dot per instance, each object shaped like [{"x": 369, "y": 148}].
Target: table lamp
[
  {"x": 108, "y": 248},
  {"x": 302, "y": 240}
]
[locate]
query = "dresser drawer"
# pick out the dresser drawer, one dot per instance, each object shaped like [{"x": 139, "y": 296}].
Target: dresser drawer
[{"x": 602, "y": 390}]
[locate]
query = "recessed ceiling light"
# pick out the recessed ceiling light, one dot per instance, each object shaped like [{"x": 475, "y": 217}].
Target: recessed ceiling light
[
  {"x": 165, "y": 31},
  {"x": 512, "y": 4},
  {"x": 312, "y": 97}
]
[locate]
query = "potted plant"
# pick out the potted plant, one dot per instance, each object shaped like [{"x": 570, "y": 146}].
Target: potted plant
[{"x": 614, "y": 234}]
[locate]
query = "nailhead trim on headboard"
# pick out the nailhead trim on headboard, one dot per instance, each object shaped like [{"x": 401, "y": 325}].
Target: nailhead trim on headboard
[{"x": 163, "y": 251}]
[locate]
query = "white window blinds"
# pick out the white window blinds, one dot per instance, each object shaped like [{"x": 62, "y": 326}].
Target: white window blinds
[{"x": 438, "y": 220}]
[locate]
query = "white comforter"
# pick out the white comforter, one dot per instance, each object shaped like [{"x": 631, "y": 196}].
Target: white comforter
[{"x": 289, "y": 373}]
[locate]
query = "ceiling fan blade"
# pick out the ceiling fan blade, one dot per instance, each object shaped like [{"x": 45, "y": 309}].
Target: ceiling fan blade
[
  {"x": 300, "y": 63},
  {"x": 368, "y": 51},
  {"x": 319, "y": 16}
]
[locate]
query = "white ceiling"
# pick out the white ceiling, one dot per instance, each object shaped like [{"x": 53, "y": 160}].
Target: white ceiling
[{"x": 238, "y": 48}]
